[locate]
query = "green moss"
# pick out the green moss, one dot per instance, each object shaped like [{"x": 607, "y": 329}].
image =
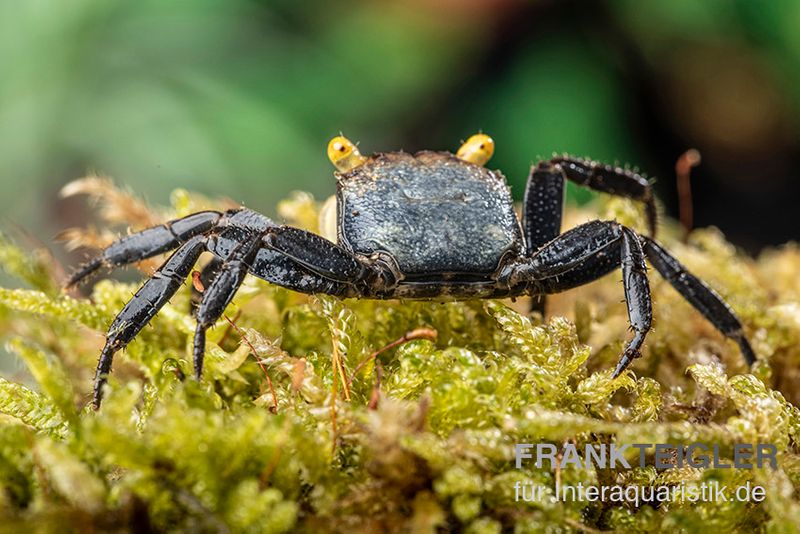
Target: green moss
[{"x": 307, "y": 452}]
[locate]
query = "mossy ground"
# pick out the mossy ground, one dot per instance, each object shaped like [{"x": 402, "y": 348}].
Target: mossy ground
[{"x": 434, "y": 450}]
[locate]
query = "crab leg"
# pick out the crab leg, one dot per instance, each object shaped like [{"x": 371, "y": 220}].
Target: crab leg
[
  {"x": 148, "y": 243},
  {"x": 544, "y": 194},
  {"x": 590, "y": 251},
  {"x": 279, "y": 269},
  {"x": 315, "y": 253},
  {"x": 637, "y": 296},
  {"x": 612, "y": 180},
  {"x": 544, "y": 197},
  {"x": 219, "y": 294},
  {"x": 150, "y": 298},
  {"x": 289, "y": 257},
  {"x": 703, "y": 298},
  {"x": 542, "y": 206}
]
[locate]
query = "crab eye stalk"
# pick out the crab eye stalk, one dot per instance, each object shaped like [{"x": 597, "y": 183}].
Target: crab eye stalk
[
  {"x": 344, "y": 154},
  {"x": 478, "y": 149}
]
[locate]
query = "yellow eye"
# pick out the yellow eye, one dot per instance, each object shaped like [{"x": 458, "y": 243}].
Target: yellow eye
[
  {"x": 344, "y": 154},
  {"x": 478, "y": 149}
]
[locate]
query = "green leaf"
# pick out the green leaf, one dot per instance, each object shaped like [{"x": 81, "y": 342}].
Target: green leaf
[
  {"x": 31, "y": 408},
  {"x": 59, "y": 308},
  {"x": 70, "y": 477},
  {"x": 32, "y": 268},
  {"x": 50, "y": 374}
]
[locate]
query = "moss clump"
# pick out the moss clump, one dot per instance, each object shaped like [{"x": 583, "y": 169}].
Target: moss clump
[{"x": 282, "y": 433}]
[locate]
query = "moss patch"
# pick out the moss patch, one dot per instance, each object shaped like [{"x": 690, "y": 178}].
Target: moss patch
[{"x": 320, "y": 447}]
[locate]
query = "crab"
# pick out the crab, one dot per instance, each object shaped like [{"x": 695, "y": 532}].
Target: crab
[{"x": 429, "y": 225}]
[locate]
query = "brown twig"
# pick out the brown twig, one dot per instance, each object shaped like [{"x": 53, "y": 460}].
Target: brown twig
[
  {"x": 227, "y": 331},
  {"x": 258, "y": 360},
  {"x": 683, "y": 172},
  {"x": 298, "y": 374},
  {"x": 338, "y": 367},
  {"x": 334, "y": 396},
  {"x": 419, "y": 333},
  {"x": 376, "y": 389}
]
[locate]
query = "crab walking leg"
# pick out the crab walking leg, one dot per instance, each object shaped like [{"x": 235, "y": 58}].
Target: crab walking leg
[
  {"x": 562, "y": 274},
  {"x": 637, "y": 297},
  {"x": 573, "y": 249},
  {"x": 219, "y": 294},
  {"x": 305, "y": 262},
  {"x": 544, "y": 194},
  {"x": 612, "y": 180},
  {"x": 702, "y": 297},
  {"x": 542, "y": 206},
  {"x": 275, "y": 267},
  {"x": 315, "y": 253},
  {"x": 284, "y": 255},
  {"x": 148, "y": 243},
  {"x": 150, "y": 298},
  {"x": 544, "y": 198},
  {"x": 542, "y": 210},
  {"x": 590, "y": 251},
  {"x": 302, "y": 261}
]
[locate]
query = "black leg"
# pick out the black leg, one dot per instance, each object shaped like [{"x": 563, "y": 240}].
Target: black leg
[
  {"x": 315, "y": 253},
  {"x": 304, "y": 262},
  {"x": 220, "y": 292},
  {"x": 275, "y": 267},
  {"x": 594, "y": 249},
  {"x": 150, "y": 298},
  {"x": 544, "y": 198},
  {"x": 593, "y": 268},
  {"x": 242, "y": 241},
  {"x": 541, "y": 219},
  {"x": 637, "y": 297},
  {"x": 544, "y": 194},
  {"x": 542, "y": 206},
  {"x": 286, "y": 256},
  {"x": 148, "y": 243},
  {"x": 703, "y": 298},
  {"x": 574, "y": 247},
  {"x": 590, "y": 251},
  {"x": 612, "y": 180}
]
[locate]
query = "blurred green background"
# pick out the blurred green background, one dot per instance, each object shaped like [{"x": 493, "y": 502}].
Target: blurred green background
[{"x": 239, "y": 98}]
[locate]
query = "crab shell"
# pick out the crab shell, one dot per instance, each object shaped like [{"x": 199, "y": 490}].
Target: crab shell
[{"x": 428, "y": 213}]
